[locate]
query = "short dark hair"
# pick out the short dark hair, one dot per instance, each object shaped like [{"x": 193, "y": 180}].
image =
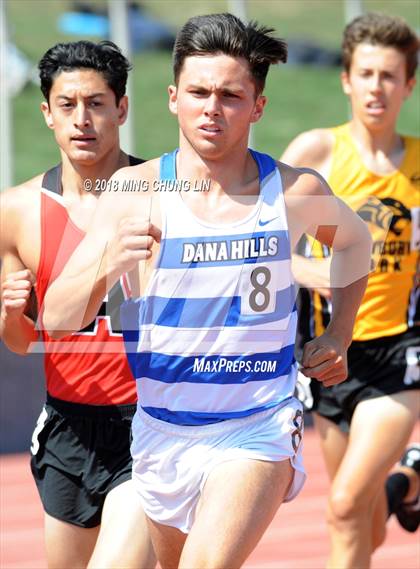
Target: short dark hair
[
  {"x": 380, "y": 29},
  {"x": 104, "y": 57},
  {"x": 227, "y": 34}
]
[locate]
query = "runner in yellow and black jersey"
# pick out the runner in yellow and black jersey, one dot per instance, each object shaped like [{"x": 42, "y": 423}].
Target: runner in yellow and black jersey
[
  {"x": 366, "y": 421},
  {"x": 390, "y": 204}
]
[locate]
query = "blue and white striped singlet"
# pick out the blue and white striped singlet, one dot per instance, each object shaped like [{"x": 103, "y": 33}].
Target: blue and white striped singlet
[{"x": 217, "y": 323}]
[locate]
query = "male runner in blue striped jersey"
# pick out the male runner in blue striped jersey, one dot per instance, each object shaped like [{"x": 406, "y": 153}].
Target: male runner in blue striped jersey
[{"x": 219, "y": 448}]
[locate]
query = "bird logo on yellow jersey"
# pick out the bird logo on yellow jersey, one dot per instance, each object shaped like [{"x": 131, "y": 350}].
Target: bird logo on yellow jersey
[{"x": 386, "y": 213}]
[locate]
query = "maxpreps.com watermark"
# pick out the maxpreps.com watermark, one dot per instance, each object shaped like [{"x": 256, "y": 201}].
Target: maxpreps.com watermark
[
  {"x": 223, "y": 365},
  {"x": 139, "y": 185}
]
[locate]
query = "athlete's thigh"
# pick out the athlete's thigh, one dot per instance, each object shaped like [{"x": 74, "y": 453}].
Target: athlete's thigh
[
  {"x": 239, "y": 500},
  {"x": 168, "y": 543},
  {"x": 123, "y": 540},
  {"x": 333, "y": 443},
  {"x": 68, "y": 545},
  {"x": 379, "y": 431}
]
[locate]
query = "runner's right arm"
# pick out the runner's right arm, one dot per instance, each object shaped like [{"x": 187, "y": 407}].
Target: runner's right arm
[
  {"x": 17, "y": 327},
  {"x": 115, "y": 243}
]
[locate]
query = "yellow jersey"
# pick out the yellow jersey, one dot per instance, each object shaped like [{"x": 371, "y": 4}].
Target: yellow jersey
[{"x": 390, "y": 204}]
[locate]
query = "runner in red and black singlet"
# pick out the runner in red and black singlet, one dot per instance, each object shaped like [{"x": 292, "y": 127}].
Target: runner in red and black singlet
[
  {"x": 97, "y": 373},
  {"x": 80, "y": 449}
]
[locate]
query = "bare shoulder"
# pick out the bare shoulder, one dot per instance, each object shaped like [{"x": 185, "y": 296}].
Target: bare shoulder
[
  {"x": 20, "y": 202},
  {"x": 302, "y": 181},
  {"x": 310, "y": 202},
  {"x": 146, "y": 171},
  {"x": 311, "y": 149},
  {"x": 129, "y": 194},
  {"x": 22, "y": 197},
  {"x": 133, "y": 184},
  {"x": 19, "y": 208}
]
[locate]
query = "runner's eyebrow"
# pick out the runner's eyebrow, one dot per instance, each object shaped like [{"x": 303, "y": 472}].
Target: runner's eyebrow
[
  {"x": 202, "y": 86},
  {"x": 67, "y": 98}
]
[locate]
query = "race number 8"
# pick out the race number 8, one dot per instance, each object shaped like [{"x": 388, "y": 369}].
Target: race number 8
[{"x": 260, "y": 289}]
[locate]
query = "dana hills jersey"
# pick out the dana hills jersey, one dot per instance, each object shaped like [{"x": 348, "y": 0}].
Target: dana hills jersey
[
  {"x": 390, "y": 205},
  {"x": 217, "y": 322},
  {"x": 90, "y": 366}
]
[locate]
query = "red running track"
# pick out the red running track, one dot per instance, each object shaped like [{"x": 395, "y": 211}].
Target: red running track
[{"x": 297, "y": 538}]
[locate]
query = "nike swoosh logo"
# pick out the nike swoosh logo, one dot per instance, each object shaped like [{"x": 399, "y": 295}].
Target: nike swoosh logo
[{"x": 262, "y": 223}]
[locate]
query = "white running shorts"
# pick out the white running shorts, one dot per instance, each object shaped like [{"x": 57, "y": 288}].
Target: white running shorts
[{"x": 171, "y": 463}]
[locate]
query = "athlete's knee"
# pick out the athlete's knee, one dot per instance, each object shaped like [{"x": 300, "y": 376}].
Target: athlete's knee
[{"x": 345, "y": 507}]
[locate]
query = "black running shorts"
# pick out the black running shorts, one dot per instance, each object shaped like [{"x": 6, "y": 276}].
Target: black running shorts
[
  {"x": 79, "y": 454},
  {"x": 376, "y": 367}
]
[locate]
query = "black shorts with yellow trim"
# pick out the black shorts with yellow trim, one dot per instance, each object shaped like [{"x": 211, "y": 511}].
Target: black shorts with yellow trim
[
  {"x": 376, "y": 368},
  {"x": 79, "y": 454}
]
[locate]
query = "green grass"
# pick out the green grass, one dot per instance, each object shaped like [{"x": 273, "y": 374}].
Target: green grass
[
  {"x": 321, "y": 20},
  {"x": 300, "y": 98}
]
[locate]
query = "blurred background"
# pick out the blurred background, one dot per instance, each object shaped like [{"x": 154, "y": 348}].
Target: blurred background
[{"x": 303, "y": 94}]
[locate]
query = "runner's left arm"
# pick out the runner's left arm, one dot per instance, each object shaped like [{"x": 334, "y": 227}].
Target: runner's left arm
[{"x": 313, "y": 209}]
